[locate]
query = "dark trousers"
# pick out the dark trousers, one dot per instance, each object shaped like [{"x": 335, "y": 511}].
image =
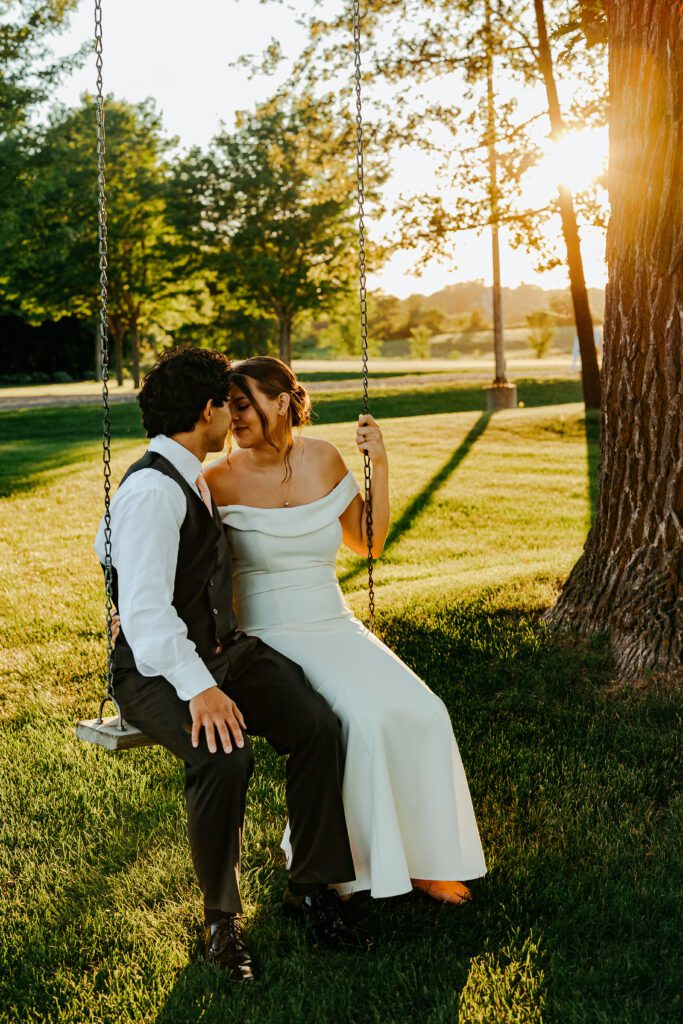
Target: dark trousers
[{"x": 277, "y": 702}]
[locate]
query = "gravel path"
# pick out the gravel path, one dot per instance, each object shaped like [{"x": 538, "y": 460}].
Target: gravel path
[
  {"x": 48, "y": 401},
  {"x": 403, "y": 382}
]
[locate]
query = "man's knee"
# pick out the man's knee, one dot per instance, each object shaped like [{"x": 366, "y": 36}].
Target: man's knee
[
  {"x": 323, "y": 727},
  {"x": 225, "y": 767}
]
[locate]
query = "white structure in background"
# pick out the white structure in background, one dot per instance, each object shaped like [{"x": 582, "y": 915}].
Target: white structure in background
[{"x": 576, "y": 354}]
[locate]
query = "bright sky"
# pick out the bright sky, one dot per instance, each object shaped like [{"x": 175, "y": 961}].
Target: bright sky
[{"x": 180, "y": 53}]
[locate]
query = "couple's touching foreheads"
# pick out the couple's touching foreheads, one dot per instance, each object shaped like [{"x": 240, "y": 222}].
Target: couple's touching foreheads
[{"x": 231, "y": 624}]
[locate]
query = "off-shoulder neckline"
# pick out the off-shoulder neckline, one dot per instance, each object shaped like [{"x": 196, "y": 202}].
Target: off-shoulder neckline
[{"x": 290, "y": 508}]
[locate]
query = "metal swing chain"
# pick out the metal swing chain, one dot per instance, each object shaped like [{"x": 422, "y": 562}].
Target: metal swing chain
[
  {"x": 363, "y": 294},
  {"x": 104, "y": 353}
]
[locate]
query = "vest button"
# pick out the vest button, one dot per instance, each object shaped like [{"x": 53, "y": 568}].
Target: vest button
[
  {"x": 215, "y": 611},
  {"x": 210, "y": 583}
]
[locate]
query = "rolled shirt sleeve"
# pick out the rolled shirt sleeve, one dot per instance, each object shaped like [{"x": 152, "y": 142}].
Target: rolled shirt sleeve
[{"x": 147, "y": 513}]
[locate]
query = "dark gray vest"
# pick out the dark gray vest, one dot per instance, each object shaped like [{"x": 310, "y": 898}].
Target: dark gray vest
[{"x": 202, "y": 593}]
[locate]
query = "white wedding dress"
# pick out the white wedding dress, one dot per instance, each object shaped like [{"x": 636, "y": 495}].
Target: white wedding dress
[{"x": 406, "y": 799}]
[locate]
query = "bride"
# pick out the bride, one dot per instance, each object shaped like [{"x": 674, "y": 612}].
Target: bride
[{"x": 287, "y": 503}]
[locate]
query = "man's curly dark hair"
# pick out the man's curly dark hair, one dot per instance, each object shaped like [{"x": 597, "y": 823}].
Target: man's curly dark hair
[{"x": 179, "y": 385}]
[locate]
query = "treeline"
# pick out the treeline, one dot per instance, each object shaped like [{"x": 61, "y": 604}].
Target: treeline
[
  {"x": 68, "y": 348},
  {"x": 250, "y": 243},
  {"x": 466, "y": 306},
  {"x": 453, "y": 313},
  {"x": 226, "y": 246}
]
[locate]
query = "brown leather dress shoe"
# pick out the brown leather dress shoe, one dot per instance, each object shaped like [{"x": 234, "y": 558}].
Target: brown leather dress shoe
[
  {"x": 224, "y": 947},
  {"x": 445, "y": 892}
]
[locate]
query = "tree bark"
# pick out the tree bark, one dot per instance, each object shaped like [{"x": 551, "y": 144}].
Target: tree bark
[
  {"x": 629, "y": 580},
  {"x": 590, "y": 373}
]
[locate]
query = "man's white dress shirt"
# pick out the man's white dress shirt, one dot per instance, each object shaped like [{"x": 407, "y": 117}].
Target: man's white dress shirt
[{"x": 147, "y": 512}]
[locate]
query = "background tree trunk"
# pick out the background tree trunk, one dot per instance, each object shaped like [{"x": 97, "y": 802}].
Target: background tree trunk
[
  {"x": 497, "y": 292},
  {"x": 590, "y": 373},
  {"x": 117, "y": 333},
  {"x": 135, "y": 354},
  {"x": 629, "y": 580},
  {"x": 285, "y": 340}
]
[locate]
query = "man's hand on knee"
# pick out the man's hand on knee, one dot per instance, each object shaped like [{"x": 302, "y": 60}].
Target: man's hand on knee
[{"x": 213, "y": 710}]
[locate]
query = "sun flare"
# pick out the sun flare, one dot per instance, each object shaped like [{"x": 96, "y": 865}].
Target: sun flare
[{"x": 576, "y": 160}]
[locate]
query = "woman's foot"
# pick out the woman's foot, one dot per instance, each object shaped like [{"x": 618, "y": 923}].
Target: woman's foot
[{"x": 445, "y": 892}]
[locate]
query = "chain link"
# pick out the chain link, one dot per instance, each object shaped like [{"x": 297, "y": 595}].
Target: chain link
[
  {"x": 363, "y": 294},
  {"x": 103, "y": 328}
]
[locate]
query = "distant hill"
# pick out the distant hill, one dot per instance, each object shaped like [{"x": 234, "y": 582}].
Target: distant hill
[{"x": 517, "y": 302}]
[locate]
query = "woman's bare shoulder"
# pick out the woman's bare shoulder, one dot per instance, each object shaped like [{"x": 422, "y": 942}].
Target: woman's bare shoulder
[
  {"x": 325, "y": 458},
  {"x": 222, "y": 477}
]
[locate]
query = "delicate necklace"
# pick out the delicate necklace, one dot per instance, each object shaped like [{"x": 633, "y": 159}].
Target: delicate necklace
[
  {"x": 285, "y": 500},
  {"x": 278, "y": 490}
]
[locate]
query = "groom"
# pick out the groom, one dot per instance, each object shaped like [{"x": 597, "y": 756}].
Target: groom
[{"x": 186, "y": 676}]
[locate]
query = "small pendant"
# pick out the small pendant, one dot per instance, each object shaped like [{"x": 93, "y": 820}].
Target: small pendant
[{"x": 286, "y": 504}]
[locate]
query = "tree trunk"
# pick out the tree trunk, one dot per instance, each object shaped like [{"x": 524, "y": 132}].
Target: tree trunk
[
  {"x": 590, "y": 373},
  {"x": 285, "y": 339},
  {"x": 629, "y": 580},
  {"x": 118, "y": 332},
  {"x": 135, "y": 354},
  {"x": 497, "y": 295}
]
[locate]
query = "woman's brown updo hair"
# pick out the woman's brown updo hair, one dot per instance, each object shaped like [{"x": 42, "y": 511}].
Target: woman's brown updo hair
[{"x": 274, "y": 378}]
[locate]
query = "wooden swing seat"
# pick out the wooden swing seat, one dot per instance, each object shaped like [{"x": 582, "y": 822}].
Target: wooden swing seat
[{"x": 106, "y": 733}]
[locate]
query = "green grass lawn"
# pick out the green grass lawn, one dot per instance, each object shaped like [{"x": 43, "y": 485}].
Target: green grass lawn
[
  {"x": 37, "y": 441},
  {"x": 572, "y": 774}
]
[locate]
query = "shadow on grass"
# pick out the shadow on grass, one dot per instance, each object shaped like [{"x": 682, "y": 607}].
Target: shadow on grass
[
  {"x": 574, "y": 793},
  {"x": 579, "y": 902},
  {"x": 592, "y": 430},
  {"x": 36, "y": 441},
  {"x": 440, "y": 399},
  {"x": 565, "y": 782},
  {"x": 414, "y": 940},
  {"x": 410, "y": 514}
]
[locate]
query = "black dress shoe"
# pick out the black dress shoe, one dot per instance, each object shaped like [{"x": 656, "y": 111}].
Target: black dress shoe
[
  {"x": 326, "y": 917},
  {"x": 225, "y": 947}
]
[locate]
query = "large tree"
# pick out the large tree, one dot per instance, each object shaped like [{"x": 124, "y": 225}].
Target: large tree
[
  {"x": 408, "y": 46},
  {"x": 48, "y": 227},
  {"x": 629, "y": 580},
  {"x": 269, "y": 212}
]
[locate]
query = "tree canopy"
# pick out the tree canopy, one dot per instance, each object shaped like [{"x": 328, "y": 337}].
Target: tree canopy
[
  {"x": 269, "y": 210},
  {"x": 48, "y": 231},
  {"x": 27, "y": 68},
  {"x": 420, "y": 53}
]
